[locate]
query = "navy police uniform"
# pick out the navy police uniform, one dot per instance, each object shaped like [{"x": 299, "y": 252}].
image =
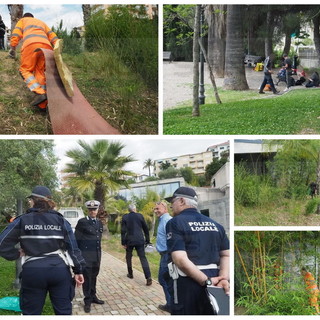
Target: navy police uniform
[
  {"x": 202, "y": 238},
  {"x": 88, "y": 233},
  {"x": 44, "y": 238},
  {"x": 133, "y": 227}
]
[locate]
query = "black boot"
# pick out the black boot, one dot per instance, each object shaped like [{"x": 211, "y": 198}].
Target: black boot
[{"x": 38, "y": 99}]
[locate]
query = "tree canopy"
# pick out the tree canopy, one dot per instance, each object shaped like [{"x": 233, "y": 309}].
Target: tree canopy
[{"x": 23, "y": 165}]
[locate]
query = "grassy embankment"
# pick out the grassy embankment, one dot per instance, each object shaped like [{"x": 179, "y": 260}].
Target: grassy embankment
[
  {"x": 119, "y": 95},
  {"x": 287, "y": 212}
]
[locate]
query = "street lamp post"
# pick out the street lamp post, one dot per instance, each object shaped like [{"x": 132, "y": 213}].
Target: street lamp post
[{"x": 201, "y": 87}]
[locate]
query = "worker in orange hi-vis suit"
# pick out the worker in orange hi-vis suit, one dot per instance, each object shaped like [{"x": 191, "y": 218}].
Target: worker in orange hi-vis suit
[
  {"x": 34, "y": 34},
  {"x": 312, "y": 288}
]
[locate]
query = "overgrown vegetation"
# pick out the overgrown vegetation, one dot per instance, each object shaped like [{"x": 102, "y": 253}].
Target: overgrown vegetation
[
  {"x": 131, "y": 35},
  {"x": 268, "y": 280},
  {"x": 294, "y": 113},
  {"x": 281, "y": 195}
]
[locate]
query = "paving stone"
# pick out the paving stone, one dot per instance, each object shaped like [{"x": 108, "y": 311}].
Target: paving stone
[{"x": 123, "y": 296}]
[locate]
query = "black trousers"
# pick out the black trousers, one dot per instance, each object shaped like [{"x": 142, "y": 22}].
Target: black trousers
[
  {"x": 2, "y": 43},
  {"x": 142, "y": 257},
  {"x": 45, "y": 275},
  {"x": 267, "y": 79},
  {"x": 90, "y": 275}
]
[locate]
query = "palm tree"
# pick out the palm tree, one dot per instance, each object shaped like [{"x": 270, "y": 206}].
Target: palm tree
[
  {"x": 235, "y": 78},
  {"x": 148, "y": 164},
  {"x": 86, "y": 10},
  {"x": 98, "y": 168}
]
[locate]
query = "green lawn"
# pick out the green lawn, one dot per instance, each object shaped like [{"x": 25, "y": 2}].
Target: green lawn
[
  {"x": 296, "y": 112},
  {"x": 113, "y": 246}
]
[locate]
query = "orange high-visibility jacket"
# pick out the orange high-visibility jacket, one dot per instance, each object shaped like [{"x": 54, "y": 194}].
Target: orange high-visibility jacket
[
  {"x": 310, "y": 282},
  {"x": 32, "y": 30}
]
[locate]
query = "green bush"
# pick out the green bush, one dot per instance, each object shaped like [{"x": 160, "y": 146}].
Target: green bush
[
  {"x": 71, "y": 42},
  {"x": 131, "y": 35},
  {"x": 253, "y": 190},
  {"x": 279, "y": 302},
  {"x": 312, "y": 206}
]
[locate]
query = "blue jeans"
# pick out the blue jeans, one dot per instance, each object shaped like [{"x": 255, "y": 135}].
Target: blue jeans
[{"x": 163, "y": 275}]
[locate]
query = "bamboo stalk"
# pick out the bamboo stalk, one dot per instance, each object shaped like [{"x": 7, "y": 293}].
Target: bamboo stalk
[{"x": 245, "y": 270}]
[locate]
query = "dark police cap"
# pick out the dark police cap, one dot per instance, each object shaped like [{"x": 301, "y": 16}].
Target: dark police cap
[
  {"x": 40, "y": 192},
  {"x": 92, "y": 204},
  {"x": 183, "y": 192}
]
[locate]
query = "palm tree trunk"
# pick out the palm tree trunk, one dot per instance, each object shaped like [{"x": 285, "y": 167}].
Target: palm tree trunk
[
  {"x": 235, "y": 78},
  {"x": 86, "y": 10},
  {"x": 316, "y": 35},
  {"x": 196, "y": 55},
  {"x": 99, "y": 195},
  {"x": 216, "y": 17}
]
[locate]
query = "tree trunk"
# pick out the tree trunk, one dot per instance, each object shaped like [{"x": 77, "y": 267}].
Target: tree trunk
[
  {"x": 216, "y": 18},
  {"x": 268, "y": 38},
  {"x": 86, "y": 9},
  {"x": 235, "y": 78},
  {"x": 215, "y": 89},
  {"x": 316, "y": 35},
  {"x": 287, "y": 43},
  {"x": 16, "y": 13},
  {"x": 196, "y": 55},
  {"x": 99, "y": 195}
]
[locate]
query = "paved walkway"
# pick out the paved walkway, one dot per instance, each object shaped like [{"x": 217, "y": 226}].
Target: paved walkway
[
  {"x": 178, "y": 77},
  {"x": 122, "y": 296}
]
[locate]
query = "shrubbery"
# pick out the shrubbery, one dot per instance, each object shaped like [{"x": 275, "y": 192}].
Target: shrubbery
[
  {"x": 253, "y": 190},
  {"x": 132, "y": 36}
]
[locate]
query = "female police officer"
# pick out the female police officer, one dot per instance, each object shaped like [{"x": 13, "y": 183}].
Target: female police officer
[{"x": 48, "y": 249}]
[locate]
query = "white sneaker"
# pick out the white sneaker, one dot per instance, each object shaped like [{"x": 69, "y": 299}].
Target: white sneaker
[{"x": 286, "y": 89}]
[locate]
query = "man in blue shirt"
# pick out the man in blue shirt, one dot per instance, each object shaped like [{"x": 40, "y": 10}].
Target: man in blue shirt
[
  {"x": 161, "y": 210},
  {"x": 199, "y": 249}
]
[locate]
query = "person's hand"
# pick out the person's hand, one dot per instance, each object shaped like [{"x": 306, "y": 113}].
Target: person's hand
[
  {"x": 124, "y": 246},
  {"x": 79, "y": 279},
  {"x": 12, "y": 53},
  {"x": 225, "y": 285},
  {"x": 22, "y": 253},
  {"x": 215, "y": 280}
]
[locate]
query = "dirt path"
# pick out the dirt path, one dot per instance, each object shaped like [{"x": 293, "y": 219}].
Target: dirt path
[{"x": 17, "y": 115}]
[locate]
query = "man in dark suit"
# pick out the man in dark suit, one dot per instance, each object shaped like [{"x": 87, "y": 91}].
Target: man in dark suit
[
  {"x": 88, "y": 234},
  {"x": 133, "y": 226}
]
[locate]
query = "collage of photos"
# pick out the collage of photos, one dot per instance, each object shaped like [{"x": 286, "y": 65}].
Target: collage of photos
[{"x": 159, "y": 159}]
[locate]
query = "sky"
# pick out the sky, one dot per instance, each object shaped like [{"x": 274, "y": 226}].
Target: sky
[
  {"x": 142, "y": 148},
  {"x": 50, "y": 14}
]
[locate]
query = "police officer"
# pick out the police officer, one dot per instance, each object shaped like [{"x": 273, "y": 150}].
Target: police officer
[
  {"x": 88, "y": 233},
  {"x": 133, "y": 226},
  {"x": 48, "y": 250},
  {"x": 199, "y": 250}
]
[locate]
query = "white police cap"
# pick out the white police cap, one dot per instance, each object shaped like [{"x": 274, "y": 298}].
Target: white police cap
[{"x": 92, "y": 204}]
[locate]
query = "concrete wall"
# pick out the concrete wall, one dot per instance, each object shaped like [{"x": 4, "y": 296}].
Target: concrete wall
[
  {"x": 308, "y": 58},
  {"x": 218, "y": 204}
]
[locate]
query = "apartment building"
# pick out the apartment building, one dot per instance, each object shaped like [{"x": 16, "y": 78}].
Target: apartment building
[{"x": 196, "y": 161}]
